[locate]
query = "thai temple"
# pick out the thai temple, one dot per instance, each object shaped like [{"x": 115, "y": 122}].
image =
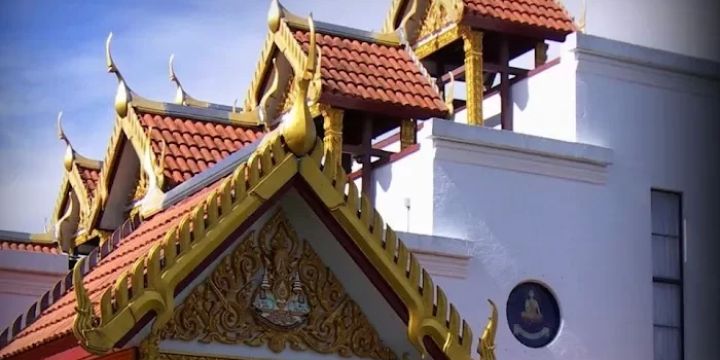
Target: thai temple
[{"x": 404, "y": 194}]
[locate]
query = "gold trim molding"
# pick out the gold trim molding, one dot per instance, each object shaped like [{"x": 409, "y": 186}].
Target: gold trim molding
[{"x": 273, "y": 290}]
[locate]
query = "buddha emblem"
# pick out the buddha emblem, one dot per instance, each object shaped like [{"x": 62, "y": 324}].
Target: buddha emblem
[
  {"x": 533, "y": 314},
  {"x": 279, "y": 299},
  {"x": 532, "y": 311}
]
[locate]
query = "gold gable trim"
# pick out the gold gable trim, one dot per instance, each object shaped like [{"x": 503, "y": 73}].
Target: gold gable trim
[
  {"x": 201, "y": 232},
  {"x": 266, "y": 271}
]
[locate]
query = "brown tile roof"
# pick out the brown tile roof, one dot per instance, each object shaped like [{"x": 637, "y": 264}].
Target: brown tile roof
[
  {"x": 546, "y": 14},
  {"x": 191, "y": 146},
  {"x": 56, "y": 321},
  {"x": 29, "y": 247},
  {"x": 374, "y": 75},
  {"x": 89, "y": 177}
]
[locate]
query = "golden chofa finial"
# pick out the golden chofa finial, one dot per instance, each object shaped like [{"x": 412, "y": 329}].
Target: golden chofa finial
[
  {"x": 69, "y": 152},
  {"x": 486, "y": 347},
  {"x": 123, "y": 94},
  {"x": 274, "y": 15},
  {"x": 181, "y": 96},
  {"x": 179, "y": 92},
  {"x": 299, "y": 130}
]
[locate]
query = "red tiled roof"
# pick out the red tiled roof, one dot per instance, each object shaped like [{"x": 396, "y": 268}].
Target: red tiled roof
[
  {"x": 375, "y": 74},
  {"x": 546, "y": 14},
  {"x": 89, "y": 177},
  {"x": 29, "y": 247},
  {"x": 56, "y": 321},
  {"x": 191, "y": 146}
]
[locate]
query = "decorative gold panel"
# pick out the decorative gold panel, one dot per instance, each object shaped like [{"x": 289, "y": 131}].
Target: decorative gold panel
[
  {"x": 273, "y": 290},
  {"x": 439, "y": 14}
]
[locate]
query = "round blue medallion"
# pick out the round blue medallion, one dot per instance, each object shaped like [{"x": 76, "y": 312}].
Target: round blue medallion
[{"x": 533, "y": 314}]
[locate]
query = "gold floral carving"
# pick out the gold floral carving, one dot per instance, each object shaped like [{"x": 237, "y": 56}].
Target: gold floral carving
[
  {"x": 333, "y": 138},
  {"x": 437, "y": 42},
  {"x": 439, "y": 14},
  {"x": 473, "y": 46},
  {"x": 308, "y": 307}
]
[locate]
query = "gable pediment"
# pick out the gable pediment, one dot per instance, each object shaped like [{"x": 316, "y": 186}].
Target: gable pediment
[{"x": 273, "y": 290}]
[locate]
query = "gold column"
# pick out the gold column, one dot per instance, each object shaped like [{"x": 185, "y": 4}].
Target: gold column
[
  {"x": 408, "y": 133},
  {"x": 333, "y": 125},
  {"x": 540, "y": 53},
  {"x": 473, "y": 46}
]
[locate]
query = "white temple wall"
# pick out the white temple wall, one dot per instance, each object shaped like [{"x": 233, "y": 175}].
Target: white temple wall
[
  {"x": 576, "y": 216},
  {"x": 659, "y": 113}
]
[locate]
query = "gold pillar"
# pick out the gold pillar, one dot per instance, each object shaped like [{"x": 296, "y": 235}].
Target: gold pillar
[
  {"x": 408, "y": 133},
  {"x": 473, "y": 46},
  {"x": 333, "y": 125},
  {"x": 540, "y": 53}
]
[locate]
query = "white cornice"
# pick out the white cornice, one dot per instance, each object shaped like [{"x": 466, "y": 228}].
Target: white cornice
[{"x": 507, "y": 150}]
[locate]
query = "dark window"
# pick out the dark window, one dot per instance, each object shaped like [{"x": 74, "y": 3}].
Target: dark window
[{"x": 667, "y": 263}]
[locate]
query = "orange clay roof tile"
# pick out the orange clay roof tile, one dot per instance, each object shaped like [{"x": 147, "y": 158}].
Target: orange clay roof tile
[
  {"x": 29, "y": 247},
  {"x": 374, "y": 74},
  {"x": 89, "y": 177},
  {"x": 56, "y": 321},
  {"x": 546, "y": 14},
  {"x": 193, "y": 145}
]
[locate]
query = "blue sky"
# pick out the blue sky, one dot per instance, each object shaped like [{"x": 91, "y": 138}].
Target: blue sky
[{"x": 52, "y": 59}]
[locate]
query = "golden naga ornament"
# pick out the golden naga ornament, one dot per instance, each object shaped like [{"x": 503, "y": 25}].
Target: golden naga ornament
[
  {"x": 274, "y": 291},
  {"x": 486, "y": 347}
]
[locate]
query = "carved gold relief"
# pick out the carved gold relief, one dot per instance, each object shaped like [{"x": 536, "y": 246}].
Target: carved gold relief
[
  {"x": 273, "y": 290},
  {"x": 439, "y": 14}
]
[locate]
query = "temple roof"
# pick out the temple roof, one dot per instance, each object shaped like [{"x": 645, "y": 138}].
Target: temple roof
[
  {"x": 365, "y": 74},
  {"x": 360, "y": 70},
  {"x": 19, "y": 241},
  {"x": 537, "y": 19},
  {"x": 56, "y": 321},
  {"x": 548, "y": 14},
  {"x": 191, "y": 146}
]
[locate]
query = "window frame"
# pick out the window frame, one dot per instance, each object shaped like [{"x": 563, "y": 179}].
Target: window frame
[{"x": 680, "y": 281}]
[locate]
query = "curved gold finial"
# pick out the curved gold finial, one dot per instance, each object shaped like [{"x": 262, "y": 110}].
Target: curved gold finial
[
  {"x": 179, "y": 91},
  {"x": 123, "y": 94},
  {"x": 60, "y": 131},
  {"x": 486, "y": 347},
  {"x": 109, "y": 62},
  {"x": 69, "y": 152},
  {"x": 274, "y": 15},
  {"x": 299, "y": 131},
  {"x": 181, "y": 96}
]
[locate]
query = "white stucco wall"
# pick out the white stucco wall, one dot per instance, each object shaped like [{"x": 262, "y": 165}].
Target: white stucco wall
[
  {"x": 24, "y": 278},
  {"x": 576, "y": 215}
]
